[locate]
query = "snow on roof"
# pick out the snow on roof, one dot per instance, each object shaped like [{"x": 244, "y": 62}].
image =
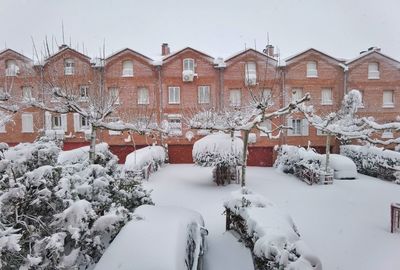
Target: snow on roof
[
  {"x": 369, "y": 52},
  {"x": 247, "y": 50},
  {"x": 80, "y": 154},
  {"x": 130, "y": 50},
  {"x": 156, "y": 239},
  {"x": 166, "y": 57},
  {"x": 15, "y": 52},
  {"x": 288, "y": 59},
  {"x": 144, "y": 156}
]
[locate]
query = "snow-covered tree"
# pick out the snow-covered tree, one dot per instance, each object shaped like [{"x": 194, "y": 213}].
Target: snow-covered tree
[
  {"x": 346, "y": 125},
  {"x": 222, "y": 151},
  {"x": 245, "y": 120},
  {"x": 61, "y": 216}
]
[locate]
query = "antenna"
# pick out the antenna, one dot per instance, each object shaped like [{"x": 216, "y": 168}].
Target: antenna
[
  {"x": 255, "y": 44},
  {"x": 267, "y": 38},
  {"x": 62, "y": 29}
]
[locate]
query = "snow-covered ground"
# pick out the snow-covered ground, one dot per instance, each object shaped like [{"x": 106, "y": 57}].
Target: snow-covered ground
[{"x": 347, "y": 224}]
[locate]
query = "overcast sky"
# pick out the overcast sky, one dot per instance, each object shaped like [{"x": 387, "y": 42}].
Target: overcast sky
[{"x": 341, "y": 28}]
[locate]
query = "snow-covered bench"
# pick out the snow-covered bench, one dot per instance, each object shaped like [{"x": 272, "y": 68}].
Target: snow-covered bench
[
  {"x": 270, "y": 234},
  {"x": 140, "y": 163}
]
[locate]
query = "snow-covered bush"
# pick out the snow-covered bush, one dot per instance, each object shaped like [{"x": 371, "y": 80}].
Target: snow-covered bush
[
  {"x": 81, "y": 155},
  {"x": 289, "y": 156},
  {"x": 374, "y": 161},
  {"x": 63, "y": 216},
  {"x": 144, "y": 160},
  {"x": 271, "y": 234},
  {"x": 218, "y": 149}
]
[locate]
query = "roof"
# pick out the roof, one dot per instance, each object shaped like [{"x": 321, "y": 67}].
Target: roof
[
  {"x": 156, "y": 239},
  {"x": 68, "y": 49},
  {"x": 369, "y": 52},
  {"x": 169, "y": 56},
  {"x": 15, "y": 52},
  {"x": 128, "y": 50},
  {"x": 315, "y": 50},
  {"x": 248, "y": 50}
]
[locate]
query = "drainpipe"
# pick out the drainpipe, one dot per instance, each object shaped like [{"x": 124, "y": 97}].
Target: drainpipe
[
  {"x": 160, "y": 105},
  {"x": 221, "y": 88},
  {"x": 283, "y": 100}
]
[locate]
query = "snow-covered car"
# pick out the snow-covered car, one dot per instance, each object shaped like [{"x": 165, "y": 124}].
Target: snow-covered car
[
  {"x": 343, "y": 167},
  {"x": 165, "y": 238}
]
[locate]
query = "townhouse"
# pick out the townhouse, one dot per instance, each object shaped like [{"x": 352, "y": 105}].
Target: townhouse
[{"x": 176, "y": 85}]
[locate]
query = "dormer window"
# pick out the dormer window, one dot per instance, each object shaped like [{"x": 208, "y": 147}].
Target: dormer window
[
  {"x": 373, "y": 71},
  {"x": 69, "y": 66},
  {"x": 11, "y": 68},
  {"x": 83, "y": 93},
  {"x": 312, "y": 71},
  {"x": 188, "y": 64},
  {"x": 250, "y": 74},
  {"x": 127, "y": 68}
]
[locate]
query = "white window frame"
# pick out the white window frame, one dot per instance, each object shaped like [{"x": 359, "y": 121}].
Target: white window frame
[
  {"x": 113, "y": 119},
  {"x": 362, "y": 98},
  {"x": 235, "y": 97},
  {"x": 325, "y": 101},
  {"x": 320, "y": 132},
  {"x": 312, "y": 69},
  {"x": 174, "y": 95},
  {"x": 84, "y": 93},
  {"x": 390, "y": 103},
  {"x": 300, "y": 127},
  {"x": 143, "y": 96},
  {"x": 250, "y": 73},
  {"x": 114, "y": 94},
  {"x": 203, "y": 94},
  {"x": 3, "y": 128},
  {"x": 56, "y": 122},
  {"x": 297, "y": 94},
  {"x": 84, "y": 123},
  {"x": 127, "y": 68},
  {"x": 26, "y": 127},
  {"x": 387, "y": 134},
  {"x": 373, "y": 71},
  {"x": 175, "y": 129},
  {"x": 11, "y": 68},
  {"x": 266, "y": 95},
  {"x": 188, "y": 64},
  {"x": 69, "y": 66},
  {"x": 27, "y": 93}
]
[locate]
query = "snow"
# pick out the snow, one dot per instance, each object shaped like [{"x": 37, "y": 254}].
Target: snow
[
  {"x": 216, "y": 148},
  {"x": 158, "y": 231},
  {"x": 80, "y": 154},
  {"x": 343, "y": 167},
  {"x": 144, "y": 156},
  {"x": 346, "y": 224}
]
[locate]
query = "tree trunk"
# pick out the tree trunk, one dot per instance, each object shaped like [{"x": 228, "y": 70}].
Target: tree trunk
[
  {"x": 327, "y": 151},
  {"x": 245, "y": 147},
  {"x": 92, "y": 150}
]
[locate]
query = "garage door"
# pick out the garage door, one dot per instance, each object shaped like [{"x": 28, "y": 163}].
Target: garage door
[
  {"x": 180, "y": 154},
  {"x": 260, "y": 156}
]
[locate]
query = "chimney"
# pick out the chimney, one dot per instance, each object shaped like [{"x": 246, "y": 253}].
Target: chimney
[
  {"x": 165, "y": 49},
  {"x": 269, "y": 50},
  {"x": 62, "y": 46}
]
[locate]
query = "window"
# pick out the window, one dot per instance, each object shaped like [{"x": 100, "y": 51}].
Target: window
[
  {"x": 69, "y": 66},
  {"x": 27, "y": 93},
  {"x": 3, "y": 128},
  {"x": 203, "y": 94},
  {"x": 297, "y": 93},
  {"x": 299, "y": 127},
  {"x": 83, "y": 93},
  {"x": 362, "y": 98},
  {"x": 321, "y": 132},
  {"x": 11, "y": 68},
  {"x": 84, "y": 122},
  {"x": 235, "y": 97},
  {"x": 127, "y": 68},
  {"x": 250, "y": 73},
  {"x": 56, "y": 122},
  {"x": 114, "y": 95},
  {"x": 387, "y": 134},
  {"x": 373, "y": 71},
  {"x": 3, "y": 95},
  {"x": 111, "y": 119},
  {"x": 174, "y": 95},
  {"x": 27, "y": 123},
  {"x": 312, "y": 71},
  {"x": 326, "y": 96},
  {"x": 267, "y": 124},
  {"x": 175, "y": 126},
  {"x": 266, "y": 96},
  {"x": 143, "y": 96},
  {"x": 388, "y": 100},
  {"x": 188, "y": 64}
]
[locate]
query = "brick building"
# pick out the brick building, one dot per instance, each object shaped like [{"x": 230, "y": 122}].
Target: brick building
[{"x": 180, "y": 83}]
